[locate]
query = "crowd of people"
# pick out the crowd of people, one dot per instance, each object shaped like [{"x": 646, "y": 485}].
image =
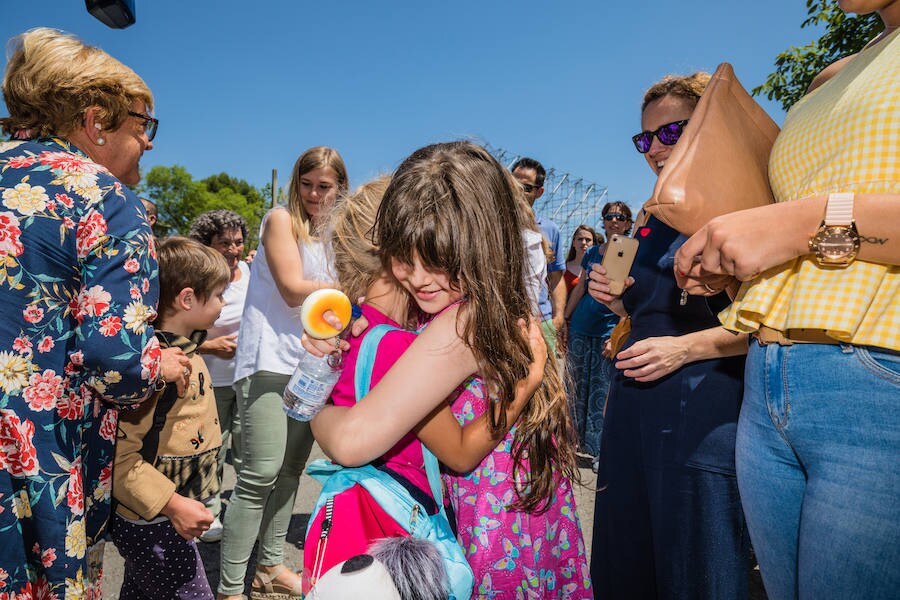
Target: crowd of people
[{"x": 486, "y": 362}]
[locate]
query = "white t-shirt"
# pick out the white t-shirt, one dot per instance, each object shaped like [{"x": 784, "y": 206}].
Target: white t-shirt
[
  {"x": 270, "y": 329},
  {"x": 221, "y": 370},
  {"x": 535, "y": 267}
]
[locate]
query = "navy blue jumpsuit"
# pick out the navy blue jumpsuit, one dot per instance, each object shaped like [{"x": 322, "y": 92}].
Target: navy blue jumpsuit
[{"x": 668, "y": 520}]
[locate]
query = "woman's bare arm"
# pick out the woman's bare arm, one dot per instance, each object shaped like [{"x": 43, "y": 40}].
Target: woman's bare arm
[
  {"x": 285, "y": 261},
  {"x": 575, "y": 297},
  {"x": 652, "y": 358},
  {"x": 742, "y": 244}
]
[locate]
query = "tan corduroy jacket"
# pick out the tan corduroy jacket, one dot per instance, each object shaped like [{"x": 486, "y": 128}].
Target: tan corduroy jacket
[{"x": 188, "y": 444}]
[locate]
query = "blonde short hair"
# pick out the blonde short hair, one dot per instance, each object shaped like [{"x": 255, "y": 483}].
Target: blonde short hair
[
  {"x": 52, "y": 78},
  {"x": 687, "y": 87},
  {"x": 350, "y": 228}
]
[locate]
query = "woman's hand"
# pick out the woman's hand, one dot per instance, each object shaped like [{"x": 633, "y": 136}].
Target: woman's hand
[
  {"x": 175, "y": 367},
  {"x": 598, "y": 288},
  {"x": 653, "y": 358},
  {"x": 743, "y": 244},
  {"x": 223, "y": 346}
]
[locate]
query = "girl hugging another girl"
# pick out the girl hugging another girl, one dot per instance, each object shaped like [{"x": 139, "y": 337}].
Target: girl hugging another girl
[{"x": 515, "y": 510}]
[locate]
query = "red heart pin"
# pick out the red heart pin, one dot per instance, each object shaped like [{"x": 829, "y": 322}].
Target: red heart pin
[{"x": 644, "y": 231}]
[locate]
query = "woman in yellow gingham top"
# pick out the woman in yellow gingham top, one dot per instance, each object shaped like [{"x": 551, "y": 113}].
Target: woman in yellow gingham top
[{"x": 818, "y": 443}]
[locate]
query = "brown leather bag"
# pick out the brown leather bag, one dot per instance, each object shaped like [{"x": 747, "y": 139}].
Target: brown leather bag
[{"x": 720, "y": 164}]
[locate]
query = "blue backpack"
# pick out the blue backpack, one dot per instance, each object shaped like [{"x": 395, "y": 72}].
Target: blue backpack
[{"x": 395, "y": 499}]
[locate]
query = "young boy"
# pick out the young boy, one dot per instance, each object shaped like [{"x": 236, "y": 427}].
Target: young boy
[{"x": 165, "y": 463}]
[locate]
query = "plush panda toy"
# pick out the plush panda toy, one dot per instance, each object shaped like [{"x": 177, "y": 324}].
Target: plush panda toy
[{"x": 394, "y": 569}]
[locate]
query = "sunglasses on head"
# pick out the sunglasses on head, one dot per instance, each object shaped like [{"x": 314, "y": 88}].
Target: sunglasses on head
[
  {"x": 615, "y": 217},
  {"x": 150, "y": 124},
  {"x": 668, "y": 134}
]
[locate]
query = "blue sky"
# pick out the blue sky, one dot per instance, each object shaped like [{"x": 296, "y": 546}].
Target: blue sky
[{"x": 245, "y": 87}]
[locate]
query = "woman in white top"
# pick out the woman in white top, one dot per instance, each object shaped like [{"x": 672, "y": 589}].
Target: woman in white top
[
  {"x": 289, "y": 265},
  {"x": 225, "y": 231}
]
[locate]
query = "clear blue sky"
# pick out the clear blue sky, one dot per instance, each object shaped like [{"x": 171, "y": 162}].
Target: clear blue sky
[{"x": 244, "y": 87}]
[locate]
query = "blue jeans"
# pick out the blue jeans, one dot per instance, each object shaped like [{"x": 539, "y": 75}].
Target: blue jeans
[{"x": 818, "y": 464}]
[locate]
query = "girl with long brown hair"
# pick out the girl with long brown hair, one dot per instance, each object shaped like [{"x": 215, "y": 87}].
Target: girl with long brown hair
[{"x": 515, "y": 511}]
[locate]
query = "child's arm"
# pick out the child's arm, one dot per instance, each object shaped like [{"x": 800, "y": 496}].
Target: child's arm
[
  {"x": 462, "y": 448},
  {"x": 138, "y": 486},
  {"x": 189, "y": 517},
  {"x": 420, "y": 381}
]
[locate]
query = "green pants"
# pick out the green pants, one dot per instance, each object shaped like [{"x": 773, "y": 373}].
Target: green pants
[
  {"x": 549, "y": 332},
  {"x": 226, "y": 404},
  {"x": 274, "y": 449}
]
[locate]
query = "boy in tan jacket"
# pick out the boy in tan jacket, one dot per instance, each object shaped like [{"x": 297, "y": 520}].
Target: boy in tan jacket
[{"x": 166, "y": 451}]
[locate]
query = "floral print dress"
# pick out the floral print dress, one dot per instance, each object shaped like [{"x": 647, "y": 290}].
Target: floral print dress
[
  {"x": 77, "y": 292},
  {"x": 514, "y": 554}
]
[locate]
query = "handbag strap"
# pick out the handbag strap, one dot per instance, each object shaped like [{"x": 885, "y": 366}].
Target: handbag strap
[{"x": 365, "y": 361}]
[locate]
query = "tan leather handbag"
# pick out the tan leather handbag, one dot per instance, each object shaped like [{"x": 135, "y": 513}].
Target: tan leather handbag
[{"x": 720, "y": 164}]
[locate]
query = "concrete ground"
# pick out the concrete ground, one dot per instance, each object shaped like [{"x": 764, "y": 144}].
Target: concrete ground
[{"x": 306, "y": 498}]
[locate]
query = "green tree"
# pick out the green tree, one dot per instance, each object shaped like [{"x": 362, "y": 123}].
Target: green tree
[
  {"x": 796, "y": 67},
  {"x": 281, "y": 194},
  {"x": 177, "y": 196},
  {"x": 179, "y": 199}
]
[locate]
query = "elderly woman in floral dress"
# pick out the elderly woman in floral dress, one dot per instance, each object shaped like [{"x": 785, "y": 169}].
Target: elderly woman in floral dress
[{"x": 77, "y": 293}]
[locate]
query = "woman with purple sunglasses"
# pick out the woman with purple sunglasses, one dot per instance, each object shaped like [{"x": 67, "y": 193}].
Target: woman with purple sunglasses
[{"x": 668, "y": 520}]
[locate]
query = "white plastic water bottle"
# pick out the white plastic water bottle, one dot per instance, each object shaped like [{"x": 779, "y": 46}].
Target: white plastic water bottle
[
  {"x": 310, "y": 386},
  {"x": 315, "y": 377}
]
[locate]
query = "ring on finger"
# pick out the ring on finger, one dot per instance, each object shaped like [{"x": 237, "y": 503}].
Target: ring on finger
[{"x": 710, "y": 290}]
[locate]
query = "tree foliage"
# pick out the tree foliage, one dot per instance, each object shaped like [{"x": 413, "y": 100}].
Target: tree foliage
[
  {"x": 179, "y": 199},
  {"x": 796, "y": 67}
]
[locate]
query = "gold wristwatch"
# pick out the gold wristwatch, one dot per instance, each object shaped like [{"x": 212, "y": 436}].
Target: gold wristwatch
[{"x": 836, "y": 243}]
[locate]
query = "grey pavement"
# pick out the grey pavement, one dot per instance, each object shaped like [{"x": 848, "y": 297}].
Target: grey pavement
[{"x": 306, "y": 498}]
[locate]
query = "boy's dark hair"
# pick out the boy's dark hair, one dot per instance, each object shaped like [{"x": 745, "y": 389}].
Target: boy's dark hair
[
  {"x": 216, "y": 222},
  {"x": 530, "y": 163},
  {"x": 184, "y": 263}
]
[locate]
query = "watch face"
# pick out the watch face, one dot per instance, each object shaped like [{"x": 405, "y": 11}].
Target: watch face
[{"x": 835, "y": 244}]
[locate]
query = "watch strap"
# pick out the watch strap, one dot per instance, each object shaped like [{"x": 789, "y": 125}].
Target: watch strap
[{"x": 839, "y": 209}]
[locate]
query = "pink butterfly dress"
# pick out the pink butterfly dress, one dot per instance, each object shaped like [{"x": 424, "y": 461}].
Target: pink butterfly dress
[{"x": 514, "y": 554}]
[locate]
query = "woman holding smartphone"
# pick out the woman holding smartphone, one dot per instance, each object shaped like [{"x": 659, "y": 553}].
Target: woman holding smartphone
[
  {"x": 668, "y": 520},
  {"x": 590, "y": 324}
]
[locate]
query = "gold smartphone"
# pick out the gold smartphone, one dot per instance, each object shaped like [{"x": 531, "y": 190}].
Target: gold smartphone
[{"x": 617, "y": 261}]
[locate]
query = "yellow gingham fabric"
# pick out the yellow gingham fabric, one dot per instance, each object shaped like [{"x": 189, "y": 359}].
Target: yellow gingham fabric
[{"x": 843, "y": 137}]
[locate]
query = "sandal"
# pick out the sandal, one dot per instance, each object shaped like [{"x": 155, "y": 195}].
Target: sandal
[{"x": 269, "y": 589}]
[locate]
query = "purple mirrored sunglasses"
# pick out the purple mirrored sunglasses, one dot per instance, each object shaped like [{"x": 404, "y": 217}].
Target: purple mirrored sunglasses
[{"x": 668, "y": 134}]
